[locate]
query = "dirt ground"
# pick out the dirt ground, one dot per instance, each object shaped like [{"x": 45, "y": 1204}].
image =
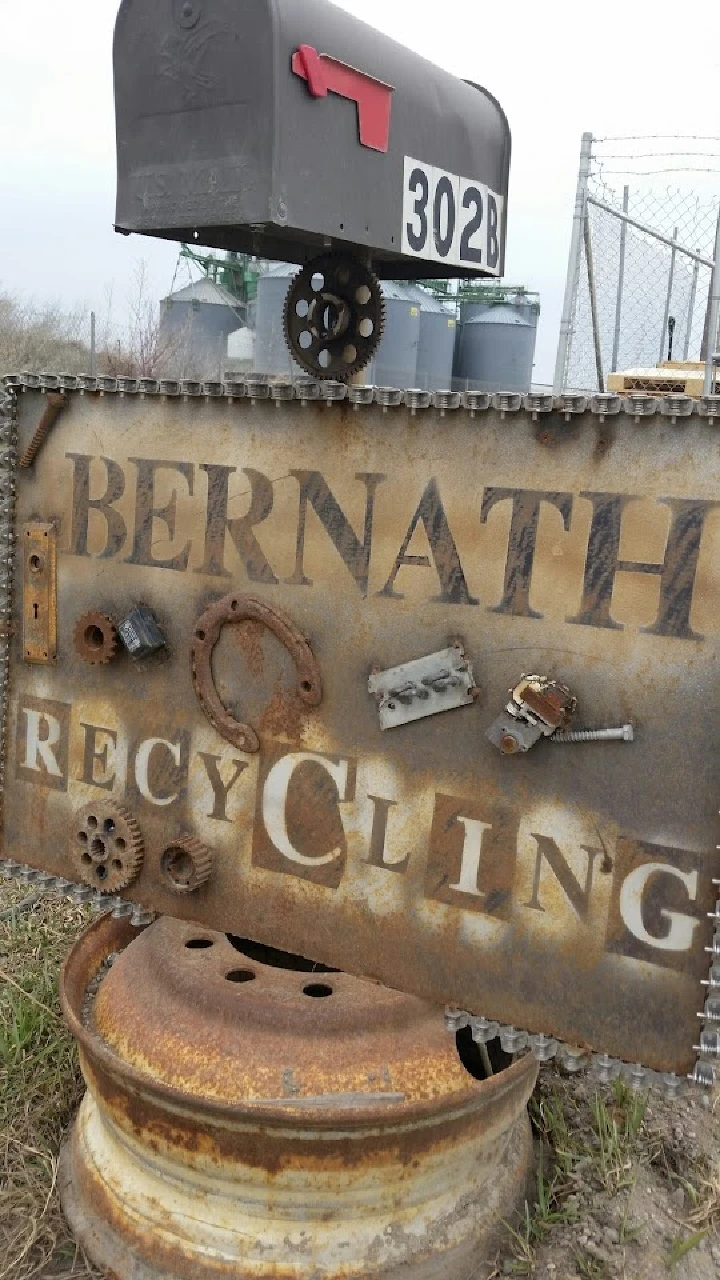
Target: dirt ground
[{"x": 627, "y": 1185}]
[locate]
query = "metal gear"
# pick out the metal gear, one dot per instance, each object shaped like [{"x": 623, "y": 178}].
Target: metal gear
[
  {"x": 95, "y": 637},
  {"x": 185, "y": 864},
  {"x": 334, "y": 316},
  {"x": 106, "y": 846}
]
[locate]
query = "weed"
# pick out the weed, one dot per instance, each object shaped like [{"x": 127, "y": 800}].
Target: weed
[
  {"x": 628, "y": 1231},
  {"x": 617, "y": 1126},
  {"x": 590, "y": 1268},
  {"x": 680, "y": 1247},
  {"x": 40, "y": 1086},
  {"x": 547, "y": 1211}
]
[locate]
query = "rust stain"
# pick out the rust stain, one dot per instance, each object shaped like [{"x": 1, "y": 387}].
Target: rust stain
[{"x": 249, "y": 637}]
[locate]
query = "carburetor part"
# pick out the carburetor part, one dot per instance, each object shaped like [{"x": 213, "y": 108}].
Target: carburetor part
[
  {"x": 106, "y": 846},
  {"x": 185, "y": 864},
  {"x": 140, "y": 632},
  {"x": 538, "y": 708},
  {"x": 95, "y": 637},
  {"x": 439, "y": 682}
]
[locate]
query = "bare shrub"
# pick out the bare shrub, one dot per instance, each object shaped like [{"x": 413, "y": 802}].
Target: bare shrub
[{"x": 37, "y": 337}]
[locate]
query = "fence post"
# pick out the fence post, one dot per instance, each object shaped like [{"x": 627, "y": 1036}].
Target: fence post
[
  {"x": 573, "y": 271},
  {"x": 621, "y": 283},
  {"x": 668, "y": 299},
  {"x": 713, "y": 316},
  {"x": 691, "y": 307},
  {"x": 593, "y": 302}
]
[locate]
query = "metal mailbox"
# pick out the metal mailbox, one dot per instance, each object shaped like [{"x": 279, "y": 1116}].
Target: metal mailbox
[
  {"x": 286, "y": 129},
  {"x": 305, "y": 564}
]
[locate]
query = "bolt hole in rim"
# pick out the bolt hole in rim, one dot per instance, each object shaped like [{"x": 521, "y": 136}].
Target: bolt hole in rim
[
  {"x": 318, "y": 990},
  {"x": 199, "y": 944},
  {"x": 240, "y": 976}
]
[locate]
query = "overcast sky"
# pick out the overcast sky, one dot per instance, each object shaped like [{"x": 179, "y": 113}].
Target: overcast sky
[{"x": 622, "y": 67}]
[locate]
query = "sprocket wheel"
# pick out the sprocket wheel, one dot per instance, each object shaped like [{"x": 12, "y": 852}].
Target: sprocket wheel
[
  {"x": 106, "y": 846},
  {"x": 185, "y": 864},
  {"x": 95, "y": 637},
  {"x": 334, "y": 316}
]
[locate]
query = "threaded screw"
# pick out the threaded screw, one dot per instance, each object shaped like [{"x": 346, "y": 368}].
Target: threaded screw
[{"x": 624, "y": 733}]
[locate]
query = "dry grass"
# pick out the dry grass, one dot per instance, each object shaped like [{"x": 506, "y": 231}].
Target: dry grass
[{"x": 40, "y": 1087}]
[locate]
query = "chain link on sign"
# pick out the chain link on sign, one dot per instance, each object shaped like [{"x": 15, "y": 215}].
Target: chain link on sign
[
  {"x": 8, "y": 463},
  {"x": 78, "y": 893},
  {"x": 603, "y": 1068},
  {"x": 639, "y": 279}
]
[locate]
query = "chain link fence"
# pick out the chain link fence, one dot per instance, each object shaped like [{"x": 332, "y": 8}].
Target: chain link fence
[{"x": 641, "y": 292}]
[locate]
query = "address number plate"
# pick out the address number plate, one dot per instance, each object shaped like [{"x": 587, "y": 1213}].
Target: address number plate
[{"x": 451, "y": 219}]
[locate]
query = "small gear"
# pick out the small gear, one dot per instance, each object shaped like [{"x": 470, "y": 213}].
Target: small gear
[
  {"x": 106, "y": 846},
  {"x": 334, "y": 316},
  {"x": 95, "y": 637},
  {"x": 185, "y": 864}
]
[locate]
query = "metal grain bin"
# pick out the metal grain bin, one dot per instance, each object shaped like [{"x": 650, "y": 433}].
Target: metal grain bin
[
  {"x": 271, "y": 351},
  {"x": 436, "y": 347},
  {"x": 396, "y": 362},
  {"x": 195, "y": 324},
  {"x": 495, "y": 351}
]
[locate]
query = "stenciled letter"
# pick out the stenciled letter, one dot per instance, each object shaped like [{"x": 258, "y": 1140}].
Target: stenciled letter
[
  {"x": 677, "y": 571},
  {"x": 431, "y": 513},
  {"x": 83, "y": 504},
  {"x": 522, "y": 541}
]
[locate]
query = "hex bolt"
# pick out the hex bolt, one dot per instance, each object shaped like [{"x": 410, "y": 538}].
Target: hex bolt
[
  {"x": 703, "y": 1073},
  {"x": 625, "y": 733},
  {"x": 673, "y": 1085},
  {"x": 456, "y": 1019}
]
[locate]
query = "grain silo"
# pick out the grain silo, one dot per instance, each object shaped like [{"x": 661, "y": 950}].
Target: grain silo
[
  {"x": 496, "y": 349},
  {"x": 395, "y": 364},
  {"x": 272, "y": 355},
  {"x": 195, "y": 324},
  {"x": 436, "y": 344}
]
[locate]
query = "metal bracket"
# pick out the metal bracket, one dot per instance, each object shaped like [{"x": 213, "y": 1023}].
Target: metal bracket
[
  {"x": 439, "y": 682},
  {"x": 39, "y": 545}
]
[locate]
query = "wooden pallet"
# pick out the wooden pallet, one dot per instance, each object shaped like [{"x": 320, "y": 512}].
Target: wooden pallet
[{"x": 663, "y": 380}]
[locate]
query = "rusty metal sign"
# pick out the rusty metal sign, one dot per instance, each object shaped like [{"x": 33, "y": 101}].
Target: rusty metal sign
[{"x": 273, "y": 574}]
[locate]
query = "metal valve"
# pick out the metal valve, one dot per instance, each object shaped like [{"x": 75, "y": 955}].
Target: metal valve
[{"x": 538, "y": 708}]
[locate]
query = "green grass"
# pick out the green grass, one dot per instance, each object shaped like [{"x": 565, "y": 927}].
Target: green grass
[
  {"x": 683, "y": 1245},
  {"x": 40, "y": 1087},
  {"x": 603, "y": 1143}
]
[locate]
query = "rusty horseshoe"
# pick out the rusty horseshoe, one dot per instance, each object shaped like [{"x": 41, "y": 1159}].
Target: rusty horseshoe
[{"x": 236, "y": 608}]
